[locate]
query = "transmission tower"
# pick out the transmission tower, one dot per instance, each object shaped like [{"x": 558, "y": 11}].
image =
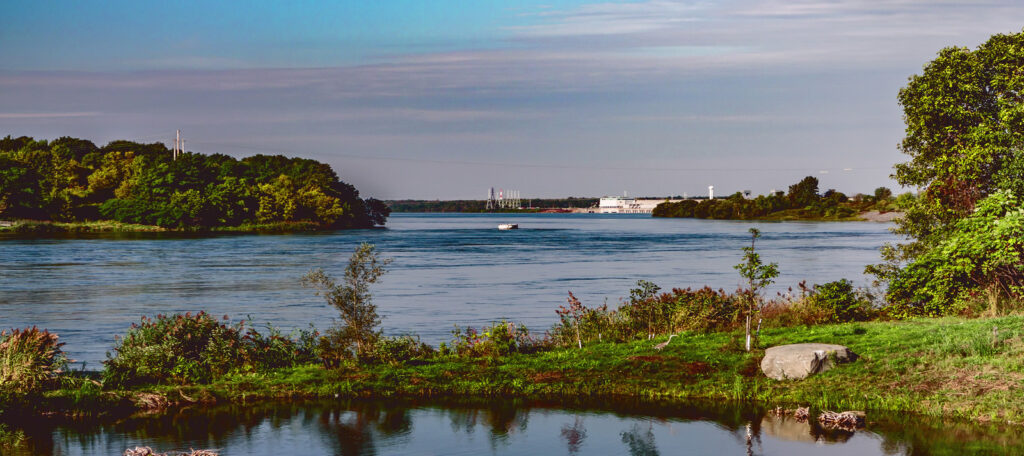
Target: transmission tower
[{"x": 490, "y": 200}]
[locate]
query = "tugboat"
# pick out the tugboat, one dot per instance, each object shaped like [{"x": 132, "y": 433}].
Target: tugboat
[{"x": 508, "y": 226}]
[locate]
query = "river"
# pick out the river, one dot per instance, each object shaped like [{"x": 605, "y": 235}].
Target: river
[{"x": 447, "y": 269}]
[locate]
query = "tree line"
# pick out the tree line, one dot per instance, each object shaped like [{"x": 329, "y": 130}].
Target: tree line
[
  {"x": 801, "y": 201},
  {"x": 481, "y": 205},
  {"x": 73, "y": 180}
]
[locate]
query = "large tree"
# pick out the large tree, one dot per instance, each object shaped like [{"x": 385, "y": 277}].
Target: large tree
[{"x": 964, "y": 118}]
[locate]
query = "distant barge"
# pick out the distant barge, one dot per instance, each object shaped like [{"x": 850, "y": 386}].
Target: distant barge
[{"x": 508, "y": 226}]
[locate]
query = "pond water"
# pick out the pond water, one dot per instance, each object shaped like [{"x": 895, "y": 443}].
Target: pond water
[
  {"x": 506, "y": 428},
  {"x": 448, "y": 269}
]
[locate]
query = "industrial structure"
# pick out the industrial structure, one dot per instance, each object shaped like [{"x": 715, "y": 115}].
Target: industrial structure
[
  {"x": 503, "y": 200},
  {"x": 627, "y": 205}
]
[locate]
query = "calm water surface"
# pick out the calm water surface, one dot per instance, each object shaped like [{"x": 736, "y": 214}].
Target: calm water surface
[
  {"x": 377, "y": 428},
  {"x": 448, "y": 269}
]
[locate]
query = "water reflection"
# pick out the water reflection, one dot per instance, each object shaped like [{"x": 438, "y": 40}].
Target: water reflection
[{"x": 504, "y": 427}]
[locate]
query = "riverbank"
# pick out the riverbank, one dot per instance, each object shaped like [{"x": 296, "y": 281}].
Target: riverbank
[
  {"x": 946, "y": 367},
  {"x": 47, "y": 228}
]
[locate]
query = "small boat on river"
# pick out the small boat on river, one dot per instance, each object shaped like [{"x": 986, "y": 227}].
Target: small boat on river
[{"x": 508, "y": 226}]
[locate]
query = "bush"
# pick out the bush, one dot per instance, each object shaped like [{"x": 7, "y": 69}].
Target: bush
[
  {"x": 398, "y": 350},
  {"x": 185, "y": 349},
  {"x": 840, "y": 302},
  {"x": 30, "y": 360},
  {"x": 499, "y": 339},
  {"x": 703, "y": 310},
  {"x": 578, "y": 324},
  {"x": 275, "y": 350}
]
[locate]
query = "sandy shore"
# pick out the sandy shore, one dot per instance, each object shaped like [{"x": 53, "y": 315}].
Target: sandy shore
[{"x": 875, "y": 216}]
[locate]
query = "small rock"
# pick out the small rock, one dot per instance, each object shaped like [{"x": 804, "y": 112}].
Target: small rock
[{"x": 798, "y": 361}]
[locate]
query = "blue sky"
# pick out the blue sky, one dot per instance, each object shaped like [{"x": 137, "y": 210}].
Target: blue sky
[{"x": 443, "y": 99}]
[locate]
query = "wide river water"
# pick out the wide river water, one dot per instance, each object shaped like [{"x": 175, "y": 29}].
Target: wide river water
[{"x": 448, "y": 269}]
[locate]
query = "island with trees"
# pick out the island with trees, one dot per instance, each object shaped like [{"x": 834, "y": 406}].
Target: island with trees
[
  {"x": 70, "y": 184},
  {"x": 801, "y": 202}
]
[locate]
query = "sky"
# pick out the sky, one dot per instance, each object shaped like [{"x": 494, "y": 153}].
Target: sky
[{"x": 444, "y": 99}]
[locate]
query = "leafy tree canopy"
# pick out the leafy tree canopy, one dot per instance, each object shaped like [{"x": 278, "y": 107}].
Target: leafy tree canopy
[
  {"x": 72, "y": 179},
  {"x": 964, "y": 118}
]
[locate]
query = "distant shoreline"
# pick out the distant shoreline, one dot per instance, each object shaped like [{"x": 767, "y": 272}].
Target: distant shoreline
[{"x": 34, "y": 228}]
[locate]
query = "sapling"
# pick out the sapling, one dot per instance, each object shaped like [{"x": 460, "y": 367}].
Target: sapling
[{"x": 758, "y": 275}]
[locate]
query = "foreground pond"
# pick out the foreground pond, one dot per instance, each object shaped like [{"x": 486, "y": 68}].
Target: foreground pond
[{"x": 373, "y": 427}]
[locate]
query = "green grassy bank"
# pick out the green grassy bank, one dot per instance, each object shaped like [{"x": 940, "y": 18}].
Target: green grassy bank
[
  {"x": 44, "y": 228},
  {"x": 941, "y": 367}
]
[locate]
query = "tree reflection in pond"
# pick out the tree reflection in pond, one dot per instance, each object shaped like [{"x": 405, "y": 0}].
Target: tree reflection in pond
[
  {"x": 574, "y": 434},
  {"x": 640, "y": 440},
  {"x": 406, "y": 427}
]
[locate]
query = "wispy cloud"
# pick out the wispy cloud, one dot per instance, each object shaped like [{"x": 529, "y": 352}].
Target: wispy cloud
[{"x": 46, "y": 115}]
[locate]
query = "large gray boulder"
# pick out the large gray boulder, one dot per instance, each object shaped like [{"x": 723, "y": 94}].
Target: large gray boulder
[{"x": 797, "y": 361}]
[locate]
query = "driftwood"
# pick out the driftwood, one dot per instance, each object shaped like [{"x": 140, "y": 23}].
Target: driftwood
[
  {"x": 800, "y": 413},
  {"x": 847, "y": 421},
  {"x": 147, "y": 451}
]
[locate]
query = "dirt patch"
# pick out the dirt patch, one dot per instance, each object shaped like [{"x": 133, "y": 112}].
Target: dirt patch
[
  {"x": 547, "y": 377},
  {"x": 671, "y": 365},
  {"x": 750, "y": 368},
  {"x": 875, "y": 216},
  {"x": 697, "y": 368}
]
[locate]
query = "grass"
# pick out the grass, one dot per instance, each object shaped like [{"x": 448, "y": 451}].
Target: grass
[
  {"x": 940, "y": 367},
  {"x": 30, "y": 359},
  {"x": 45, "y": 228},
  {"x": 103, "y": 226},
  {"x": 10, "y": 438}
]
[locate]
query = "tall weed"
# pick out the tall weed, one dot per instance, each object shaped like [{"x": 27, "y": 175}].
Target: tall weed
[{"x": 30, "y": 360}]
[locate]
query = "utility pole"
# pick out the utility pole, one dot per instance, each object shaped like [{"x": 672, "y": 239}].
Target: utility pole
[{"x": 178, "y": 144}]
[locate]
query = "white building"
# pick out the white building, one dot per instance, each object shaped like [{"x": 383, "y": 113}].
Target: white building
[{"x": 625, "y": 205}]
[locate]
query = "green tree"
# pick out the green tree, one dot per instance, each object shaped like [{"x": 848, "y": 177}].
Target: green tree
[
  {"x": 803, "y": 193},
  {"x": 981, "y": 258},
  {"x": 882, "y": 194},
  {"x": 758, "y": 275},
  {"x": 359, "y": 319},
  {"x": 964, "y": 118}
]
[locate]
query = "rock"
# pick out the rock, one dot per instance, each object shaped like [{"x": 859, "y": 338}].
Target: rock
[{"x": 798, "y": 361}]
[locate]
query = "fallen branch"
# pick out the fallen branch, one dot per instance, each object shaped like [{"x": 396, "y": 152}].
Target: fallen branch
[
  {"x": 848, "y": 421},
  {"x": 147, "y": 451}
]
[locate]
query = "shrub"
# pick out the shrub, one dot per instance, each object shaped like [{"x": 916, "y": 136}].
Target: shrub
[
  {"x": 789, "y": 312},
  {"x": 840, "y": 302},
  {"x": 499, "y": 339},
  {"x": 645, "y": 313},
  {"x": 578, "y": 323},
  {"x": 358, "y": 331},
  {"x": 703, "y": 310},
  {"x": 275, "y": 350},
  {"x": 30, "y": 360},
  {"x": 184, "y": 349},
  {"x": 398, "y": 350}
]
